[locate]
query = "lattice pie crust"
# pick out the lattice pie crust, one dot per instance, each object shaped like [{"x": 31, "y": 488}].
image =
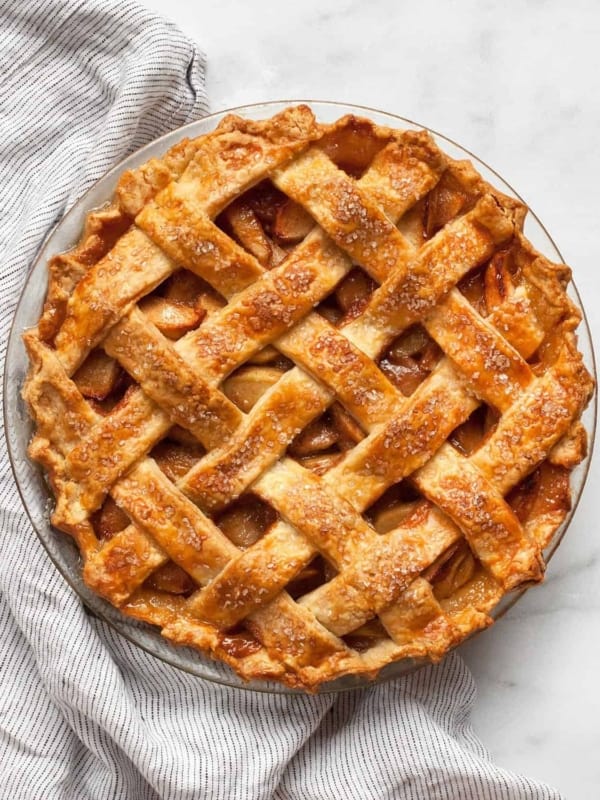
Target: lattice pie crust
[{"x": 307, "y": 398}]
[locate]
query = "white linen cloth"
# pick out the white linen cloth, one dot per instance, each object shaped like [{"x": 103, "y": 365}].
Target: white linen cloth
[{"x": 83, "y": 713}]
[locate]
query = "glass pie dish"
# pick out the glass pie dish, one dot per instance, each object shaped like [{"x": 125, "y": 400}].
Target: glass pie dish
[{"x": 34, "y": 491}]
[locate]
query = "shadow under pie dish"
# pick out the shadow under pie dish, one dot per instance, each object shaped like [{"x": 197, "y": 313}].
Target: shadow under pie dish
[{"x": 307, "y": 398}]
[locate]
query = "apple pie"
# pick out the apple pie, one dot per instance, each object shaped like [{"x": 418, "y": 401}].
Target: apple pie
[{"x": 307, "y": 398}]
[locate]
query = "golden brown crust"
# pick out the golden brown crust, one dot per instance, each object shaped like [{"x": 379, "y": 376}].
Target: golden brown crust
[{"x": 130, "y": 391}]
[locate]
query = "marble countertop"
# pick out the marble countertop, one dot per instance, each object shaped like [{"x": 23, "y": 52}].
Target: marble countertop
[{"x": 519, "y": 89}]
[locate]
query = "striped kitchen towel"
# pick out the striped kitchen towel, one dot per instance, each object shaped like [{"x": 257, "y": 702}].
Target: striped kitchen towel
[{"x": 83, "y": 713}]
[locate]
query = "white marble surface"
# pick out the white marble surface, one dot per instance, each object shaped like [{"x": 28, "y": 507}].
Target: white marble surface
[{"x": 517, "y": 84}]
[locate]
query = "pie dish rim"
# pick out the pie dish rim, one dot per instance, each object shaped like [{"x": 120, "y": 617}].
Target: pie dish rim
[{"x": 59, "y": 546}]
